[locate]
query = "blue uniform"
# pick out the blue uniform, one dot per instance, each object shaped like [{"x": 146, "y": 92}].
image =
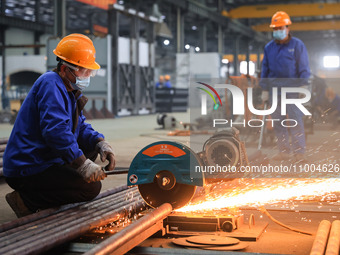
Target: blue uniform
[
  {"x": 43, "y": 132},
  {"x": 286, "y": 65},
  {"x": 167, "y": 84},
  {"x": 282, "y": 61}
]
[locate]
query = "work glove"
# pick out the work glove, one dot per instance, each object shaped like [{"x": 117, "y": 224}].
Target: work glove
[
  {"x": 91, "y": 172},
  {"x": 106, "y": 153},
  {"x": 265, "y": 96}
]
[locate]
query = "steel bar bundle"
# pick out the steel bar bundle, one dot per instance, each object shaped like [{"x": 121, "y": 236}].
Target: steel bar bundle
[
  {"x": 48, "y": 231},
  {"x": 133, "y": 234},
  {"x": 44, "y": 213},
  {"x": 3, "y": 143}
]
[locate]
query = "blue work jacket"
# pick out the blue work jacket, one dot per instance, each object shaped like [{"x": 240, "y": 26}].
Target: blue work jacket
[
  {"x": 42, "y": 133},
  {"x": 287, "y": 60}
]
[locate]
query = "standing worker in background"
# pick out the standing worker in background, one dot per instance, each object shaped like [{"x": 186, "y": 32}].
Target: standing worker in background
[
  {"x": 160, "y": 83},
  {"x": 167, "y": 81},
  {"x": 285, "y": 57},
  {"x": 49, "y": 157}
]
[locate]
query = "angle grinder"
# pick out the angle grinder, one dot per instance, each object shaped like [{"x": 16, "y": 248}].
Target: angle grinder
[{"x": 165, "y": 172}]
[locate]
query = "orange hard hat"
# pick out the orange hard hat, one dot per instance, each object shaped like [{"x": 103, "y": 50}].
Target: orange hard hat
[
  {"x": 77, "y": 49},
  {"x": 280, "y": 19},
  {"x": 167, "y": 77}
]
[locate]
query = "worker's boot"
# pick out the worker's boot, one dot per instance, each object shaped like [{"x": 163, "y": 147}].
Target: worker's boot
[
  {"x": 17, "y": 204},
  {"x": 281, "y": 156}
]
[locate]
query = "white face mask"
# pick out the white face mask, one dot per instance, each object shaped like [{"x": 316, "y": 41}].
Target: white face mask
[
  {"x": 279, "y": 34},
  {"x": 80, "y": 84}
]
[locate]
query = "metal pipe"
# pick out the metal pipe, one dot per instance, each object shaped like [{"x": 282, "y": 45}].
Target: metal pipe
[
  {"x": 76, "y": 228},
  {"x": 68, "y": 213},
  {"x": 119, "y": 239},
  {"x": 56, "y": 225},
  {"x": 54, "y": 238},
  {"x": 3, "y": 140},
  {"x": 59, "y": 225},
  {"x": 333, "y": 245},
  {"x": 45, "y": 213},
  {"x": 321, "y": 237}
]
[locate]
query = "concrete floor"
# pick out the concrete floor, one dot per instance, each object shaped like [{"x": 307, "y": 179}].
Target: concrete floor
[{"x": 128, "y": 135}]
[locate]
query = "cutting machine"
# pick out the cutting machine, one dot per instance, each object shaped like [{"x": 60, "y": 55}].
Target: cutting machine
[{"x": 166, "y": 172}]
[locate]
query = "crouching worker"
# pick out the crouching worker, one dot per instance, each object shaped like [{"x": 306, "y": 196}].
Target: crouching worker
[{"x": 49, "y": 158}]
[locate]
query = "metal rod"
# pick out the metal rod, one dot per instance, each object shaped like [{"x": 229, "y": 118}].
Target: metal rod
[
  {"x": 58, "y": 235},
  {"x": 333, "y": 245},
  {"x": 51, "y": 211},
  {"x": 56, "y": 224},
  {"x": 321, "y": 237},
  {"x": 3, "y": 140},
  {"x": 110, "y": 245},
  {"x": 60, "y": 224},
  {"x": 117, "y": 171},
  {"x": 54, "y": 238},
  {"x": 68, "y": 213}
]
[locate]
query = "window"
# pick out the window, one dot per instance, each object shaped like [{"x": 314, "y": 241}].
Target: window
[{"x": 331, "y": 61}]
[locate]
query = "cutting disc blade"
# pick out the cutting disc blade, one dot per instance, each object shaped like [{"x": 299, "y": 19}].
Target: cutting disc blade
[{"x": 178, "y": 196}]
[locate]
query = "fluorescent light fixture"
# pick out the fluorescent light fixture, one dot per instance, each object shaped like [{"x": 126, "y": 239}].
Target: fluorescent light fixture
[
  {"x": 331, "y": 61},
  {"x": 243, "y": 67},
  {"x": 166, "y": 42}
]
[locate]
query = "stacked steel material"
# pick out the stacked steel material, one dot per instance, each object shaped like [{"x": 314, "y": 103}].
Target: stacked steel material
[
  {"x": 42, "y": 231},
  {"x": 3, "y": 143}
]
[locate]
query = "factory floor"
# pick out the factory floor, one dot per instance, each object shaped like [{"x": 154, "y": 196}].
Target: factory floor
[{"x": 129, "y": 135}]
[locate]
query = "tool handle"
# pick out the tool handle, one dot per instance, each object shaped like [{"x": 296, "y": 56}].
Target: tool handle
[{"x": 117, "y": 170}]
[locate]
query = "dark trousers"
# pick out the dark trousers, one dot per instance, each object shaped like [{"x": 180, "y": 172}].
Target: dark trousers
[{"x": 57, "y": 185}]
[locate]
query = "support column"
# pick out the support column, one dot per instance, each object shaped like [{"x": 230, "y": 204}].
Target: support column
[
  {"x": 247, "y": 55},
  {"x": 36, "y": 42},
  {"x": 134, "y": 34},
  {"x": 236, "y": 53},
  {"x": 220, "y": 43},
  {"x": 113, "y": 30},
  {"x": 150, "y": 31},
  {"x": 220, "y": 40},
  {"x": 60, "y": 18},
  {"x": 203, "y": 38},
  {"x": 4, "y": 99},
  {"x": 180, "y": 31},
  {"x": 258, "y": 62}
]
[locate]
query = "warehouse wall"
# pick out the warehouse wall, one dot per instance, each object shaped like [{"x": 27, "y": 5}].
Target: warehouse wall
[{"x": 15, "y": 36}]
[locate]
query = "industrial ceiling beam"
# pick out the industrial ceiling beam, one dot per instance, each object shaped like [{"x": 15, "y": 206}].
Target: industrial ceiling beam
[
  {"x": 24, "y": 24},
  {"x": 233, "y": 25},
  {"x": 304, "y": 26},
  {"x": 294, "y": 10}
]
